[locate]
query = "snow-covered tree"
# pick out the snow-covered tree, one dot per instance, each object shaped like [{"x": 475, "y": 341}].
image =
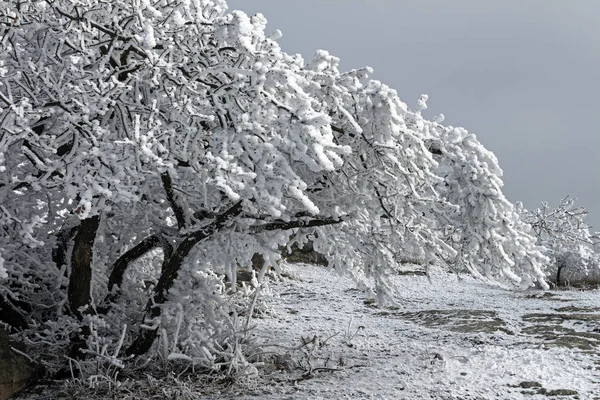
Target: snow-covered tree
[
  {"x": 570, "y": 242},
  {"x": 149, "y": 148},
  {"x": 486, "y": 230}
]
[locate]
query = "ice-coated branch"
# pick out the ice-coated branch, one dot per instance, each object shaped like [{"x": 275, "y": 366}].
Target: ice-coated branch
[
  {"x": 175, "y": 206},
  {"x": 120, "y": 266},
  {"x": 96, "y": 25},
  {"x": 301, "y": 223}
]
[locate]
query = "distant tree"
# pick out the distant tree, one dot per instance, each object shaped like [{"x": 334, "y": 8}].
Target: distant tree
[
  {"x": 148, "y": 149},
  {"x": 571, "y": 244}
]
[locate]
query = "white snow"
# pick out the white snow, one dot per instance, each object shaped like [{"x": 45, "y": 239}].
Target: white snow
[
  {"x": 3, "y": 272},
  {"x": 447, "y": 338},
  {"x": 380, "y": 353}
]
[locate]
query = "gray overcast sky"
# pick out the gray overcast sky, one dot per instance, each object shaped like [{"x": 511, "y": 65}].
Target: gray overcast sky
[{"x": 524, "y": 76}]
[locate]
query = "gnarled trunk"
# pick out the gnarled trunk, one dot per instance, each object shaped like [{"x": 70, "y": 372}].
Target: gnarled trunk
[
  {"x": 115, "y": 279},
  {"x": 59, "y": 252},
  {"x": 81, "y": 265},
  {"x": 171, "y": 267}
]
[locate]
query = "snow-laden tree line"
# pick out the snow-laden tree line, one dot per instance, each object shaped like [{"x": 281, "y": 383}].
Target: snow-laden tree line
[{"x": 149, "y": 149}]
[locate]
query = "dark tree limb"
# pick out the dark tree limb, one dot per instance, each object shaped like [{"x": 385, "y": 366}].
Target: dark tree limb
[
  {"x": 171, "y": 267},
  {"x": 115, "y": 280},
  {"x": 177, "y": 209},
  {"x": 337, "y": 129},
  {"x": 302, "y": 223},
  {"x": 120, "y": 266},
  {"x": 81, "y": 265},
  {"x": 167, "y": 248},
  {"x": 388, "y": 214}
]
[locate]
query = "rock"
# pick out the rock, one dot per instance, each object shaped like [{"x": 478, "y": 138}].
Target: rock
[
  {"x": 561, "y": 392},
  {"x": 529, "y": 384},
  {"x": 306, "y": 254},
  {"x": 16, "y": 371}
]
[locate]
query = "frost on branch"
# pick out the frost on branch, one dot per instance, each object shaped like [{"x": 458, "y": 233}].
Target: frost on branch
[
  {"x": 3, "y": 271},
  {"x": 150, "y": 149}
]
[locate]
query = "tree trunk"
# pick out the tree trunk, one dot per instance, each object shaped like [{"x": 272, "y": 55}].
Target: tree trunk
[
  {"x": 561, "y": 264},
  {"x": 81, "y": 265},
  {"x": 59, "y": 252},
  {"x": 171, "y": 267},
  {"x": 558, "y": 271}
]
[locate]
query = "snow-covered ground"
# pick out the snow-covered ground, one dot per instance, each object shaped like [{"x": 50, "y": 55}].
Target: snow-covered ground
[{"x": 447, "y": 338}]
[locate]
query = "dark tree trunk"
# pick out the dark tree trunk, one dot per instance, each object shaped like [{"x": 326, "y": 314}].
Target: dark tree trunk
[
  {"x": 59, "y": 252},
  {"x": 171, "y": 268},
  {"x": 81, "y": 265},
  {"x": 80, "y": 281},
  {"x": 558, "y": 271},
  {"x": 169, "y": 273}
]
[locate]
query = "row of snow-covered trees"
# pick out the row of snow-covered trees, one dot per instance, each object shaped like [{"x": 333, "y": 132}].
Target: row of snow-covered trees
[{"x": 149, "y": 148}]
